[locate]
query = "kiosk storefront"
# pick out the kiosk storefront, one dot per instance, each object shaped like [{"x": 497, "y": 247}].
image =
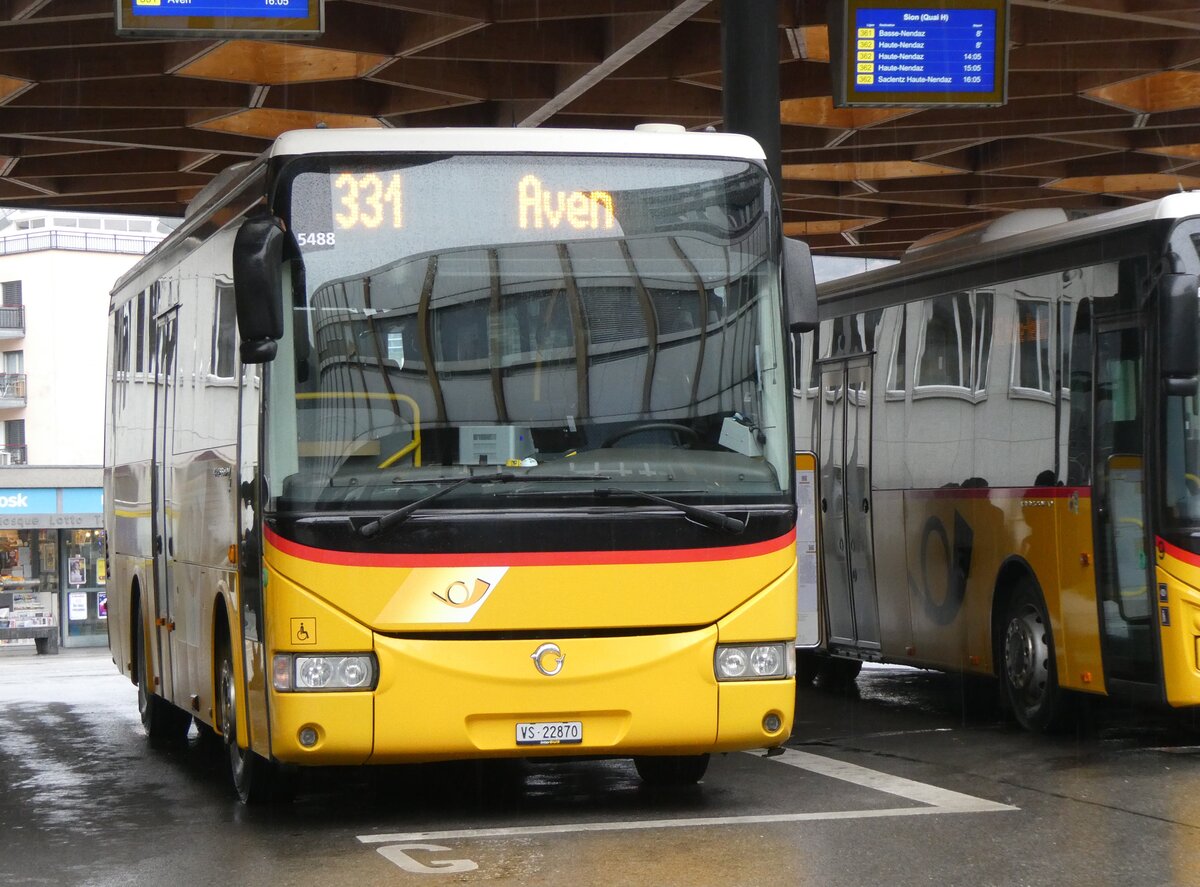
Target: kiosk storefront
[{"x": 52, "y": 564}]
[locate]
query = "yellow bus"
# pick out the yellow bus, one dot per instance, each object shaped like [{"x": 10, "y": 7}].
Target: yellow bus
[
  {"x": 448, "y": 444},
  {"x": 1008, "y": 432}
]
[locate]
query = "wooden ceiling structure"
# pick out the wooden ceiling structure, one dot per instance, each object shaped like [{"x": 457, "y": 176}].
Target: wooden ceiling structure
[{"x": 1103, "y": 108}]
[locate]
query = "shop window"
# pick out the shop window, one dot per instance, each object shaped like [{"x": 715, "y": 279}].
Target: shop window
[
  {"x": 85, "y": 573},
  {"x": 28, "y": 577}
]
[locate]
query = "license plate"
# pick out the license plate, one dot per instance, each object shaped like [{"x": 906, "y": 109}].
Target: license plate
[{"x": 549, "y": 732}]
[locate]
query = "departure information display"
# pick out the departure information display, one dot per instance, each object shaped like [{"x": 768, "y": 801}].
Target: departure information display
[
  {"x": 939, "y": 52},
  {"x": 274, "y": 18},
  {"x": 224, "y": 8},
  {"x": 925, "y": 50}
]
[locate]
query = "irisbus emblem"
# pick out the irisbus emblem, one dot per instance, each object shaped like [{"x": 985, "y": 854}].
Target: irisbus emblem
[{"x": 548, "y": 659}]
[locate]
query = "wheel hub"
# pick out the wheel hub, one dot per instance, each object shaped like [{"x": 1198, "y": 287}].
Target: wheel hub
[
  {"x": 1018, "y": 653},
  {"x": 1026, "y": 655}
]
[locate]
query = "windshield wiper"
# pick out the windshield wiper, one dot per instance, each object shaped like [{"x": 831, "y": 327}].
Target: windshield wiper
[
  {"x": 402, "y": 514},
  {"x": 705, "y": 516}
]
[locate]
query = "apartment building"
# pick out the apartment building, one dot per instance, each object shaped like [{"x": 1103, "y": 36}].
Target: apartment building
[{"x": 56, "y": 270}]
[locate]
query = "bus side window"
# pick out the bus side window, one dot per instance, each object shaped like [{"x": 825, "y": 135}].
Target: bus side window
[{"x": 1079, "y": 438}]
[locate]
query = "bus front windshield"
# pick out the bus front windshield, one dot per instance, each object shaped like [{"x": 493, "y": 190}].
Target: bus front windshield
[{"x": 583, "y": 321}]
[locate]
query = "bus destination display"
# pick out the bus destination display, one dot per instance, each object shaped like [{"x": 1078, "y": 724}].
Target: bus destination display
[
  {"x": 374, "y": 200},
  {"x": 920, "y": 55},
  {"x": 300, "y": 18}
]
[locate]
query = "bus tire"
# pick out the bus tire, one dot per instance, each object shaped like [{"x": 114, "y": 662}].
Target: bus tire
[
  {"x": 835, "y": 673},
  {"x": 1028, "y": 673},
  {"x": 671, "y": 770},
  {"x": 166, "y": 726},
  {"x": 808, "y": 666},
  {"x": 255, "y": 779}
]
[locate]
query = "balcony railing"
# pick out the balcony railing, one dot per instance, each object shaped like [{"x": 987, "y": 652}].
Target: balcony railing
[
  {"x": 12, "y": 454},
  {"x": 12, "y": 390},
  {"x": 82, "y": 241},
  {"x": 12, "y": 321}
]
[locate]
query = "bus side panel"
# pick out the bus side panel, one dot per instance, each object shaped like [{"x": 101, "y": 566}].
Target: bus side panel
[
  {"x": 936, "y": 603},
  {"x": 129, "y": 418},
  {"x": 958, "y": 542},
  {"x": 891, "y": 587},
  {"x": 1178, "y": 574}
]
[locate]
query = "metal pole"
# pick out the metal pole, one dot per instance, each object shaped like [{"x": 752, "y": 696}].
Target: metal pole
[{"x": 750, "y": 74}]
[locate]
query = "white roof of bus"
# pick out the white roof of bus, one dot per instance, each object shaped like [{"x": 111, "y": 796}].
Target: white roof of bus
[
  {"x": 1173, "y": 206},
  {"x": 518, "y": 140}
]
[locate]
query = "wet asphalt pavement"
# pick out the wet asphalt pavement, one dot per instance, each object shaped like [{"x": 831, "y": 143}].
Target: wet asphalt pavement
[{"x": 908, "y": 778}]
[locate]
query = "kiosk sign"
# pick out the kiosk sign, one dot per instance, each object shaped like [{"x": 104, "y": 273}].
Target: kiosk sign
[{"x": 944, "y": 52}]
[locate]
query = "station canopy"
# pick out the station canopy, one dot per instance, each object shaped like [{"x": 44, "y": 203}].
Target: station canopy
[{"x": 1103, "y": 103}]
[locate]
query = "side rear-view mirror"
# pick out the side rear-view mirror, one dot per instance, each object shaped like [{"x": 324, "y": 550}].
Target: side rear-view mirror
[
  {"x": 799, "y": 286},
  {"x": 257, "y": 278},
  {"x": 1178, "y": 322}
]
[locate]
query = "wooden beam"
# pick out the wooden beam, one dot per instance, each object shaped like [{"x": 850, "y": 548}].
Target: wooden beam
[
  {"x": 171, "y": 139},
  {"x": 624, "y": 45},
  {"x": 549, "y": 43},
  {"x": 662, "y": 100},
  {"x": 141, "y": 93},
  {"x": 470, "y": 80},
  {"x": 125, "y": 184}
]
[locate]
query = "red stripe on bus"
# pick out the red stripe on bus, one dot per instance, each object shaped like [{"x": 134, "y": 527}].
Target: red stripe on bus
[
  {"x": 998, "y": 493},
  {"x": 528, "y": 558},
  {"x": 1176, "y": 552}
]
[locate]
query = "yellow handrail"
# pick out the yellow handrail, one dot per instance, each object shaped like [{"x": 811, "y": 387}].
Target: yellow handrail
[{"x": 413, "y": 447}]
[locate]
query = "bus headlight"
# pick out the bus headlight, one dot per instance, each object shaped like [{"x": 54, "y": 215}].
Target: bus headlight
[
  {"x": 754, "y": 662},
  {"x": 338, "y": 671}
]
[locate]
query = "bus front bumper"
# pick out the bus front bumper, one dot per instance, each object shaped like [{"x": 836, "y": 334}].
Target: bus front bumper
[{"x": 439, "y": 699}]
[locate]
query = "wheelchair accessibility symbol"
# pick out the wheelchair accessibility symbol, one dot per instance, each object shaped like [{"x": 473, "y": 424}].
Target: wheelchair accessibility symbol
[{"x": 304, "y": 630}]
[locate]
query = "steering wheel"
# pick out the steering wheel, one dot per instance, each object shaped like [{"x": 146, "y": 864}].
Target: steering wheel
[{"x": 687, "y": 432}]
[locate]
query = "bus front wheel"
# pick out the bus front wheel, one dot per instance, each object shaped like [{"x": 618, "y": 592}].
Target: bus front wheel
[
  {"x": 1027, "y": 667},
  {"x": 671, "y": 770},
  {"x": 255, "y": 779}
]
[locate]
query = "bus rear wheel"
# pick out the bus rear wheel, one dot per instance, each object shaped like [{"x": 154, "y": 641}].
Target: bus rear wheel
[
  {"x": 1027, "y": 667},
  {"x": 255, "y": 779},
  {"x": 165, "y": 725},
  {"x": 671, "y": 770}
]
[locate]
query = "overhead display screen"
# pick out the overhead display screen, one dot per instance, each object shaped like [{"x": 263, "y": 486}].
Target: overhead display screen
[
  {"x": 235, "y": 18},
  {"x": 932, "y": 54}
]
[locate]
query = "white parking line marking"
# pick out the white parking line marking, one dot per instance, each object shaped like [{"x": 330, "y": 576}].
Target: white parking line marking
[
  {"x": 940, "y": 799},
  {"x": 934, "y": 800}
]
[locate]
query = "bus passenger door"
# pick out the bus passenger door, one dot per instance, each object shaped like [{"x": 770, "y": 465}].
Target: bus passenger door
[
  {"x": 162, "y": 543},
  {"x": 1123, "y": 559},
  {"x": 847, "y": 541}
]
